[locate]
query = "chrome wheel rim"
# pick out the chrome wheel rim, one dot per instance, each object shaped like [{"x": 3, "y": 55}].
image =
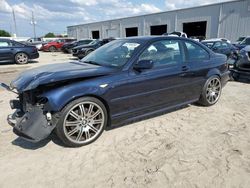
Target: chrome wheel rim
[
  {"x": 83, "y": 122},
  {"x": 21, "y": 58},
  {"x": 213, "y": 90}
]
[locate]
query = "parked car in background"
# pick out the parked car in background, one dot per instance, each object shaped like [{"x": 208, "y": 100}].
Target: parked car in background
[
  {"x": 124, "y": 80},
  {"x": 243, "y": 43},
  {"x": 55, "y": 45},
  {"x": 222, "y": 47},
  {"x": 241, "y": 69},
  {"x": 67, "y": 47},
  {"x": 12, "y": 51},
  {"x": 198, "y": 38},
  {"x": 176, "y": 34},
  {"x": 83, "y": 50},
  {"x": 239, "y": 40},
  {"x": 37, "y": 42}
]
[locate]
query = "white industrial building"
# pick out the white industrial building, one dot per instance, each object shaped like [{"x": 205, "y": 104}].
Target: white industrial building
[{"x": 229, "y": 19}]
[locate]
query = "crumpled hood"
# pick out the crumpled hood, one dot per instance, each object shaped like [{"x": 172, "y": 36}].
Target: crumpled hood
[{"x": 32, "y": 78}]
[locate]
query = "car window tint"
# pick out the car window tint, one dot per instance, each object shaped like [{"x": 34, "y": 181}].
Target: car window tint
[
  {"x": 5, "y": 44},
  {"x": 224, "y": 45},
  {"x": 166, "y": 52},
  {"x": 217, "y": 45},
  {"x": 209, "y": 44},
  {"x": 17, "y": 44},
  {"x": 82, "y": 42},
  {"x": 248, "y": 41},
  {"x": 196, "y": 52}
]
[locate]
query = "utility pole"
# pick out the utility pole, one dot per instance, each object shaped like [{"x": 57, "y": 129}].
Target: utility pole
[
  {"x": 14, "y": 19},
  {"x": 33, "y": 22}
]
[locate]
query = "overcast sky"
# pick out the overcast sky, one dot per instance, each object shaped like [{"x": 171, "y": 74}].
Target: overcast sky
[{"x": 56, "y": 15}]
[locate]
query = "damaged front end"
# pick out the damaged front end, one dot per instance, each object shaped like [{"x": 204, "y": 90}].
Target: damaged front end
[
  {"x": 241, "y": 69},
  {"x": 31, "y": 120}
]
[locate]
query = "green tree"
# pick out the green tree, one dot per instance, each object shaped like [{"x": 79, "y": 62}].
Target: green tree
[
  {"x": 4, "y": 33},
  {"x": 50, "y": 35}
]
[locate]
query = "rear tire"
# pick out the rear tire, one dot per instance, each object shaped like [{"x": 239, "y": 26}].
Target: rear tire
[
  {"x": 82, "y": 121},
  {"x": 21, "y": 58},
  {"x": 52, "y": 49},
  {"x": 211, "y": 91}
]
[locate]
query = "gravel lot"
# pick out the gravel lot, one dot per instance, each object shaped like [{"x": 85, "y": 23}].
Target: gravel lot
[{"x": 192, "y": 147}]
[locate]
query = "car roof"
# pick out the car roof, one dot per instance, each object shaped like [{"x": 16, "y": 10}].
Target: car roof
[
  {"x": 145, "y": 38},
  {"x": 216, "y": 40}
]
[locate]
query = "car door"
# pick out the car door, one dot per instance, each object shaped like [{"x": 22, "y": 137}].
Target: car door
[
  {"x": 199, "y": 63},
  {"x": 162, "y": 86},
  {"x": 6, "y": 50}
]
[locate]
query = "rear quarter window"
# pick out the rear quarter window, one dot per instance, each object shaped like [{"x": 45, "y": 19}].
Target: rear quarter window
[{"x": 196, "y": 52}]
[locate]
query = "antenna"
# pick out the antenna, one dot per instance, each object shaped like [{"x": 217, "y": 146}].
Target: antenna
[
  {"x": 14, "y": 19},
  {"x": 33, "y": 22}
]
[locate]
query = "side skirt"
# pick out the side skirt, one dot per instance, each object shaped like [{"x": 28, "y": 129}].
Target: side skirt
[{"x": 123, "y": 120}]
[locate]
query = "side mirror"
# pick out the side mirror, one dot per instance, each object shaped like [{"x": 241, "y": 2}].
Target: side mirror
[
  {"x": 215, "y": 48},
  {"x": 143, "y": 64}
]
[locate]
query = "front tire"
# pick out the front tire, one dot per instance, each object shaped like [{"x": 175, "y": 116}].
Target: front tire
[
  {"x": 211, "y": 91},
  {"x": 88, "y": 52},
  {"x": 21, "y": 58},
  {"x": 82, "y": 121}
]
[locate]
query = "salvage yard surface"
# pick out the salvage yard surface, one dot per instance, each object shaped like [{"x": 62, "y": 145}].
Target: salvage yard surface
[{"x": 191, "y": 147}]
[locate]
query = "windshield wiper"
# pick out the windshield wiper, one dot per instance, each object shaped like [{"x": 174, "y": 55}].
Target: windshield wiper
[{"x": 92, "y": 62}]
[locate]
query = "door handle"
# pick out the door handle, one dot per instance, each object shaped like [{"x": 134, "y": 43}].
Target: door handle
[{"x": 185, "y": 68}]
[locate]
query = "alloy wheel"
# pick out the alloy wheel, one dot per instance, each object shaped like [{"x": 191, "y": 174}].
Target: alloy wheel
[
  {"x": 213, "y": 90},
  {"x": 83, "y": 122},
  {"x": 21, "y": 58}
]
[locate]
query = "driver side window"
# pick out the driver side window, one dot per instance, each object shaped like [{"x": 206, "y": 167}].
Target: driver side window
[{"x": 163, "y": 53}]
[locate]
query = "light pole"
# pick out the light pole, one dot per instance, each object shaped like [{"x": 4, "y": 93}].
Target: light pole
[
  {"x": 14, "y": 19},
  {"x": 33, "y": 22}
]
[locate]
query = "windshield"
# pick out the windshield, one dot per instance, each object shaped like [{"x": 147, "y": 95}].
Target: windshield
[
  {"x": 246, "y": 41},
  {"x": 241, "y": 39},
  {"x": 114, "y": 54},
  {"x": 94, "y": 41}
]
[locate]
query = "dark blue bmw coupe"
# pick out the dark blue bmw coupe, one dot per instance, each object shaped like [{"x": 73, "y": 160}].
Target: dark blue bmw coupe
[{"x": 123, "y": 80}]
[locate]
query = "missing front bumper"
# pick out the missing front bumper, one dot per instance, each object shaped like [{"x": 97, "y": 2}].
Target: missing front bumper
[{"x": 32, "y": 125}]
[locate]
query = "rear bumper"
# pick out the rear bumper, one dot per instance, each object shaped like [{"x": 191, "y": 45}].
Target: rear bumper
[
  {"x": 34, "y": 55},
  {"x": 32, "y": 126}
]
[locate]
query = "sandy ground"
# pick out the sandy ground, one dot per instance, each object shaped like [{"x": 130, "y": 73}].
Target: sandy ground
[{"x": 192, "y": 147}]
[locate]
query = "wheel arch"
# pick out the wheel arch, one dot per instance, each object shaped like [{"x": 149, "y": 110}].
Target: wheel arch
[
  {"x": 213, "y": 72},
  {"x": 104, "y": 101},
  {"x": 22, "y": 51}
]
